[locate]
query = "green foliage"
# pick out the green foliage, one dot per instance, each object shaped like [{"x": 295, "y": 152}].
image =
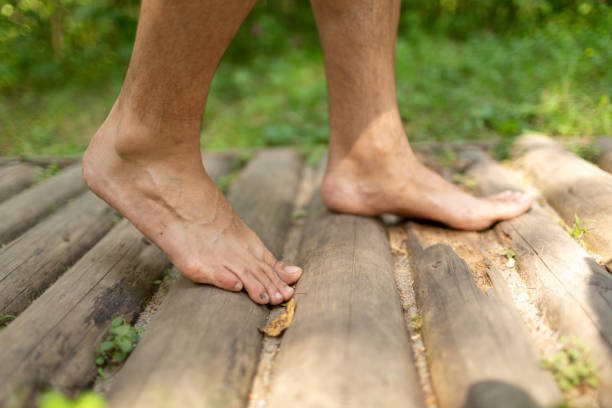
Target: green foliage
[
  {"x": 507, "y": 252},
  {"x": 577, "y": 231},
  {"x": 47, "y": 172},
  {"x": 167, "y": 274},
  {"x": 299, "y": 213},
  {"x": 417, "y": 321},
  {"x": 572, "y": 365},
  {"x": 465, "y": 69},
  {"x": 5, "y": 319},
  {"x": 118, "y": 345},
  {"x": 55, "y": 399}
]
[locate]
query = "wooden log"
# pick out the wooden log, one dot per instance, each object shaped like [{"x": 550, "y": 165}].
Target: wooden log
[
  {"x": 604, "y": 160},
  {"x": 481, "y": 354},
  {"x": 53, "y": 342},
  {"x": 14, "y": 178},
  {"x": 202, "y": 346},
  {"x": 60, "y": 161},
  {"x": 573, "y": 187},
  {"x": 572, "y": 289},
  {"x": 348, "y": 345},
  {"x": 25, "y": 209},
  {"x": 35, "y": 260}
]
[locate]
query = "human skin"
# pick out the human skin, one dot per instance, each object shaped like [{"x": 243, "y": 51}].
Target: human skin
[{"x": 145, "y": 159}]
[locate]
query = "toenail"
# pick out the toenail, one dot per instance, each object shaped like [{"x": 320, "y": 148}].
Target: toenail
[
  {"x": 289, "y": 290},
  {"x": 238, "y": 286},
  {"x": 263, "y": 296},
  {"x": 278, "y": 296},
  {"x": 292, "y": 269}
]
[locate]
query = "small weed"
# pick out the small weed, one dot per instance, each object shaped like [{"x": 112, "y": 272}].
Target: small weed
[
  {"x": 587, "y": 150},
  {"x": 299, "y": 213},
  {"x": 417, "y": 321},
  {"x": 6, "y": 319},
  {"x": 572, "y": 366},
  {"x": 577, "y": 231},
  {"x": 167, "y": 274},
  {"x": 118, "y": 345},
  {"x": 224, "y": 182},
  {"x": 463, "y": 180},
  {"x": 507, "y": 252},
  {"x": 3, "y": 246},
  {"x": 47, "y": 172},
  {"x": 55, "y": 399}
]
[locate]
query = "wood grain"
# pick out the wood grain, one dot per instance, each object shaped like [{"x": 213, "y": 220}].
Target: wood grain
[
  {"x": 25, "y": 209},
  {"x": 480, "y": 352},
  {"x": 348, "y": 345},
  {"x": 202, "y": 347},
  {"x": 572, "y": 186},
  {"x": 570, "y": 287},
  {"x": 32, "y": 262},
  {"x": 16, "y": 177}
]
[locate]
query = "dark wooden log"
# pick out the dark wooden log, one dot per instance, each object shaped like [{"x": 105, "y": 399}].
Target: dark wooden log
[
  {"x": 604, "y": 160},
  {"x": 348, "y": 345},
  {"x": 53, "y": 342},
  {"x": 25, "y": 209},
  {"x": 480, "y": 352},
  {"x": 572, "y": 289},
  {"x": 202, "y": 346},
  {"x": 574, "y": 187},
  {"x": 35, "y": 260},
  {"x": 16, "y": 177},
  {"x": 60, "y": 161}
]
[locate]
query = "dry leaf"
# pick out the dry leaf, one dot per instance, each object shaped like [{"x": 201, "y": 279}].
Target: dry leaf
[{"x": 276, "y": 326}]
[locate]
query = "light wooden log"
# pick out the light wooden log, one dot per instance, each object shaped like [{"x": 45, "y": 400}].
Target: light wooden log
[
  {"x": 25, "y": 209},
  {"x": 480, "y": 352},
  {"x": 16, "y": 177},
  {"x": 32, "y": 262},
  {"x": 348, "y": 345},
  {"x": 202, "y": 347},
  {"x": 604, "y": 160},
  {"x": 572, "y": 289},
  {"x": 574, "y": 187}
]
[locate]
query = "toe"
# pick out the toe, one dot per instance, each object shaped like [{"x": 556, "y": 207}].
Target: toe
[
  {"x": 274, "y": 293},
  {"x": 257, "y": 292},
  {"x": 288, "y": 274},
  {"x": 285, "y": 290},
  {"x": 227, "y": 281}
]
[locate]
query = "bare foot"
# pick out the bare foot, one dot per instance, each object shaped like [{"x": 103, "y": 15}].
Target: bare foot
[
  {"x": 380, "y": 174},
  {"x": 163, "y": 189}
]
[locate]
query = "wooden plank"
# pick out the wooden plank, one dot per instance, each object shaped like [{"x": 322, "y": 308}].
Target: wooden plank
[
  {"x": 23, "y": 210},
  {"x": 604, "y": 160},
  {"x": 573, "y": 290},
  {"x": 16, "y": 177},
  {"x": 32, "y": 262},
  {"x": 573, "y": 187},
  {"x": 348, "y": 345},
  {"x": 212, "y": 361},
  {"x": 481, "y": 354},
  {"x": 60, "y": 161}
]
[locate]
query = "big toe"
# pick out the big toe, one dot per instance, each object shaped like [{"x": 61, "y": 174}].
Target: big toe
[
  {"x": 288, "y": 273},
  {"x": 511, "y": 205}
]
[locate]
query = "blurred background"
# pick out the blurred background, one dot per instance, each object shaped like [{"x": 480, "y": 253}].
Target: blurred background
[{"x": 466, "y": 69}]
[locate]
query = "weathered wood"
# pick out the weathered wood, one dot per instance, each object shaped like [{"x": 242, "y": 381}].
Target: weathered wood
[
  {"x": 604, "y": 160},
  {"x": 212, "y": 360},
  {"x": 23, "y": 210},
  {"x": 60, "y": 161},
  {"x": 348, "y": 345},
  {"x": 573, "y": 187},
  {"x": 14, "y": 178},
  {"x": 53, "y": 341},
  {"x": 573, "y": 290},
  {"x": 32, "y": 262},
  {"x": 481, "y": 354}
]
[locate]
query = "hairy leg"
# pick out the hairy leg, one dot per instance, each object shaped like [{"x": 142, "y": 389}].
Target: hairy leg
[
  {"x": 371, "y": 168},
  {"x": 145, "y": 159}
]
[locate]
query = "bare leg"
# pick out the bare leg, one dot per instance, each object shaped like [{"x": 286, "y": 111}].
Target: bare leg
[
  {"x": 371, "y": 168},
  {"x": 145, "y": 159}
]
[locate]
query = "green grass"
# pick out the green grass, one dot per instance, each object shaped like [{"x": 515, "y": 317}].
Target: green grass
[
  {"x": 553, "y": 79},
  {"x": 86, "y": 399}
]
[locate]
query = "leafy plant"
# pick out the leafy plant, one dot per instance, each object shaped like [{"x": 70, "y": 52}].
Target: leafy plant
[
  {"x": 119, "y": 343},
  {"x": 167, "y": 274},
  {"x": 507, "y": 252},
  {"x": 6, "y": 319},
  {"x": 577, "y": 231},
  {"x": 55, "y": 399},
  {"x": 417, "y": 321},
  {"x": 572, "y": 365},
  {"x": 299, "y": 213}
]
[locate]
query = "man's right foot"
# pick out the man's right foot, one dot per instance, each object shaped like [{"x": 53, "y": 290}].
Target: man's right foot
[{"x": 160, "y": 185}]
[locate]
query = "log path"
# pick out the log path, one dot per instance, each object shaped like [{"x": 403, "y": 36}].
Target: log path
[{"x": 389, "y": 312}]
